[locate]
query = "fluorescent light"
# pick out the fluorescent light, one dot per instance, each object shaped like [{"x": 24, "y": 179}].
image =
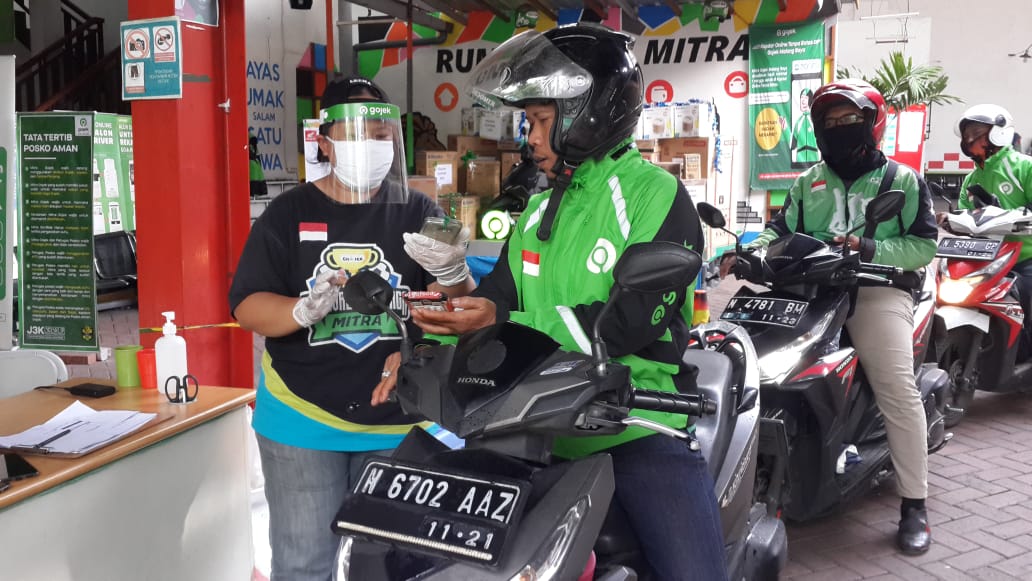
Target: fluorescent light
[{"x": 887, "y": 16}]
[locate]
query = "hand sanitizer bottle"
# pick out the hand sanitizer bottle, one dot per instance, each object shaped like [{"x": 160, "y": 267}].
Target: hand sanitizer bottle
[{"x": 169, "y": 354}]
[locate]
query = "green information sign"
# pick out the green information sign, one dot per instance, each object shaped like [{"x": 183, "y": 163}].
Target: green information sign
[
  {"x": 112, "y": 159},
  {"x": 58, "y": 301},
  {"x": 785, "y": 64},
  {"x": 3, "y": 222}
]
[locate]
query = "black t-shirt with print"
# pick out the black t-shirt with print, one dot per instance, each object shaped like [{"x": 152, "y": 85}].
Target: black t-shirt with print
[{"x": 336, "y": 364}]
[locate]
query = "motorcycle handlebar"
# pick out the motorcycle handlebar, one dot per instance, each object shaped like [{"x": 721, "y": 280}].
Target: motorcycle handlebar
[
  {"x": 664, "y": 401},
  {"x": 881, "y": 270}
]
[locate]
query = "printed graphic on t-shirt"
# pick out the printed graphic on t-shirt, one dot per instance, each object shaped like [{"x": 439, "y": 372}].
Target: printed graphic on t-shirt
[{"x": 343, "y": 325}]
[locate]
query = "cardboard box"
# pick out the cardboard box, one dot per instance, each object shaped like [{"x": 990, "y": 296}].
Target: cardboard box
[
  {"x": 505, "y": 126},
  {"x": 677, "y": 147},
  {"x": 658, "y": 122},
  {"x": 483, "y": 179},
  {"x": 424, "y": 184},
  {"x": 692, "y": 166},
  {"x": 471, "y": 120},
  {"x": 692, "y": 120},
  {"x": 443, "y": 166},
  {"x": 478, "y": 145}
]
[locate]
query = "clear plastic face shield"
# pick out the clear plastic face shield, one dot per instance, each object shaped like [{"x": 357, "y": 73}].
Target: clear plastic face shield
[
  {"x": 366, "y": 152},
  {"x": 526, "y": 67}
]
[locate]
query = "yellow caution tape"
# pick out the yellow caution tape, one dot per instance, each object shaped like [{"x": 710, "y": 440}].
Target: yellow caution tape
[{"x": 189, "y": 327}]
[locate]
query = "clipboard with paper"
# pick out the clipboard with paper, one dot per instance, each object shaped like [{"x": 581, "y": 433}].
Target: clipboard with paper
[{"x": 78, "y": 430}]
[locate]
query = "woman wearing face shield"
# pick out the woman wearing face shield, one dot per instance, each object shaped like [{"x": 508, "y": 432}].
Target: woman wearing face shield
[{"x": 323, "y": 360}]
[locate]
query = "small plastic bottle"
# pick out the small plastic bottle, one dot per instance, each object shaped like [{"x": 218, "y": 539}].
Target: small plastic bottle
[{"x": 169, "y": 353}]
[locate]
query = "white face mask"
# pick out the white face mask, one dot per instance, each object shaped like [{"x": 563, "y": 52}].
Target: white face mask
[{"x": 362, "y": 165}]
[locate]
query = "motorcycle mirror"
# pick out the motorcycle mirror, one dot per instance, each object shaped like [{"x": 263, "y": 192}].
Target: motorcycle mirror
[
  {"x": 368, "y": 293},
  {"x": 714, "y": 218},
  {"x": 885, "y": 206},
  {"x": 940, "y": 193},
  {"x": 655, "y": 267},
  {"x": 711, "y": 215},
  {"x": 647, "y": 267}
]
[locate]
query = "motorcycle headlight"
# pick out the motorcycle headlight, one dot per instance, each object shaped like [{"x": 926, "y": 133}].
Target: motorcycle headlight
[
  {"x": 776, "y": 364},
  {"x": 956, "y": 290},
  {"x": 544, "y": 565}
]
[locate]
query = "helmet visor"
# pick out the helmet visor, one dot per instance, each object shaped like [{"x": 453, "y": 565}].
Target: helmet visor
[
  {"x": 368, "y": 152},
  {"x": 527, "y": 67}
]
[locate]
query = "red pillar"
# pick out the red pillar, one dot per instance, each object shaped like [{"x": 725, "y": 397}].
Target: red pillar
[{"x": 192, "y": 197}]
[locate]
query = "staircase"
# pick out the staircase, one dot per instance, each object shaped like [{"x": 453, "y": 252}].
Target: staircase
[{"x": 74, "y": 73}]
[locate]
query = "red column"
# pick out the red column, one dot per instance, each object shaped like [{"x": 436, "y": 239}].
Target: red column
[{"x": 192, "y": 197}]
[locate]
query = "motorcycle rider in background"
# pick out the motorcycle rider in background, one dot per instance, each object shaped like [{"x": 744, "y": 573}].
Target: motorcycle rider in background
[
  {"x": 581, "y": 88},
  {"x": 986, "y": 132},
  {"x": 825, "y": 202}
]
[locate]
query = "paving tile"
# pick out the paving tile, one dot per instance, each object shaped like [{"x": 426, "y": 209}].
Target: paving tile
[
  {"x": 973, "y": 559},
  {"x": 991, "y": 574},
  {"x": 989, "y": 540}
]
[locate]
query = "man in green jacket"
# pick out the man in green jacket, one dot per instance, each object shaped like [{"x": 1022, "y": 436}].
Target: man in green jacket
[
  {"x": 581, "y": 88},
  {"x": 804, "y": 144},
  {"x": 827, "y": 201},
  {"x": 986, "y": 132}
]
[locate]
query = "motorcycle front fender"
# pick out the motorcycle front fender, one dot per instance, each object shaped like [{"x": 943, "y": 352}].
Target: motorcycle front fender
[{"x": 954, "y": 317}]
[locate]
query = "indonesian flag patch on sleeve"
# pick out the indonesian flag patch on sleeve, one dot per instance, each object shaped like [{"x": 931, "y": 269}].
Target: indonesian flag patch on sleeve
[
  {"x": 819, "y": 186},
  {"x": 312, "y": 231},
  {"x": 531, "y": 263}
]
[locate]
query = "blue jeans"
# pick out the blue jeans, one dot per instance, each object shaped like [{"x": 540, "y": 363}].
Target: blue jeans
[
  {"x": 304, "y": 489},
  {"x": 667, "y": 493}
]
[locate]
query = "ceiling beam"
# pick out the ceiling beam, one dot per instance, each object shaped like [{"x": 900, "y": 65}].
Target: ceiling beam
[
  {"x": 442, "y": 6},
  {"x": 540, "y": 7},
  {"x": 399, "y": 10},
  {"x": 494, "y": 9}
]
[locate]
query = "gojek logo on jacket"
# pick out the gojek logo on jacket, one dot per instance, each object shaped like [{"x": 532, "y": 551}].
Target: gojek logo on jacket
[{"x": 344, "y": 325}]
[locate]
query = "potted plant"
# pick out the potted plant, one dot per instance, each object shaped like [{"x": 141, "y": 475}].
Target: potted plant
[{"x": 904, "y": 84}]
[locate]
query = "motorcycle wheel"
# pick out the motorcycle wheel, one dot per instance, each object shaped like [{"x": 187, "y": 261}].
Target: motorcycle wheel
[{"x": 954, "y": 352}]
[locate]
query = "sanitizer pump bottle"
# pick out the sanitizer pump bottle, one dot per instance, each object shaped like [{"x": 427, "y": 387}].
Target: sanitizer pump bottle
[{"x": 169, "y": 353}]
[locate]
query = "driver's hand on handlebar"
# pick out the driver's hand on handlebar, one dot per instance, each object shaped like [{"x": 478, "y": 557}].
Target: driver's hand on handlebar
[
  {"x": 727, "y": 262},
  {"x": 388, "y": 379},
  {"x": 854, "y": 241},
  {"x": 470, "y": 314}
]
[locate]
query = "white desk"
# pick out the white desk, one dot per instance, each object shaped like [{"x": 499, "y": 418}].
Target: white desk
[{"x": 169, "y": 502}]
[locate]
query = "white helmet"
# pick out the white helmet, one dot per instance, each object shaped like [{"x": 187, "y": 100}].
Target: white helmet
[{"x": 1001, "y": 123}]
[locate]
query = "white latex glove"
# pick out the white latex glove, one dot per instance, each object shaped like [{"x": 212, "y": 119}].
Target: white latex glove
[
  {"x": 445, "y": 261},
  {"x": 311, "y": 309}
]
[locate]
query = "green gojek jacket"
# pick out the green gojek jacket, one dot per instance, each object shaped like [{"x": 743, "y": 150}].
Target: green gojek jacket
[
  {"x": 819, "y": 204},
  {"x": 1007, "y": 175},
  {"x": 559, "y": 286}
]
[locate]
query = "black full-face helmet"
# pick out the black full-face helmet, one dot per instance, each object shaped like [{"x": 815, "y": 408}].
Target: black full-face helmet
[{"x": 587, "y": 70}]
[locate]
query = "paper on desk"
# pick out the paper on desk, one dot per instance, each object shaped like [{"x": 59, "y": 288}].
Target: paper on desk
[{"x": 87, "y": 430}]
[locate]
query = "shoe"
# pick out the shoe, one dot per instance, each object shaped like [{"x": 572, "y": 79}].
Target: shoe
[{"x": 914, "y": 535}]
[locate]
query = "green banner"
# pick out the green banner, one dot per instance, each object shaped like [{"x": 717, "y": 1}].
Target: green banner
[
  {"x": 112, "y": 204},
  {"x": 3, "y": 221},
  {"x": 785, "y": 65},
  {"x": 58, "y": 301},
  {"x": 127, "y": 189}
]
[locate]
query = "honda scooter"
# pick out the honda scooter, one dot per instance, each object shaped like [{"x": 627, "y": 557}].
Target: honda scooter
[
  {"x": 500, "y": 508},
  {"x": 817, "y": 408},
  {"x": 979, "y": 320}
]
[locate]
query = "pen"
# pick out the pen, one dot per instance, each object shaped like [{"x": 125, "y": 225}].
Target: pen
[{"x": 60, "y": 434}]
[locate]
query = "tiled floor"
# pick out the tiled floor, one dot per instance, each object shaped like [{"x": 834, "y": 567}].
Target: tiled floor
[{"x": 980, "y": 497}]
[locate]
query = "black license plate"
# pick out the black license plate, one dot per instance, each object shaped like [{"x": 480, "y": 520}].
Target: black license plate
[
  {"x": 769, "y": 311},
  {"x": 433, "y": 511},
  {"x": 968, "y": 248}
]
